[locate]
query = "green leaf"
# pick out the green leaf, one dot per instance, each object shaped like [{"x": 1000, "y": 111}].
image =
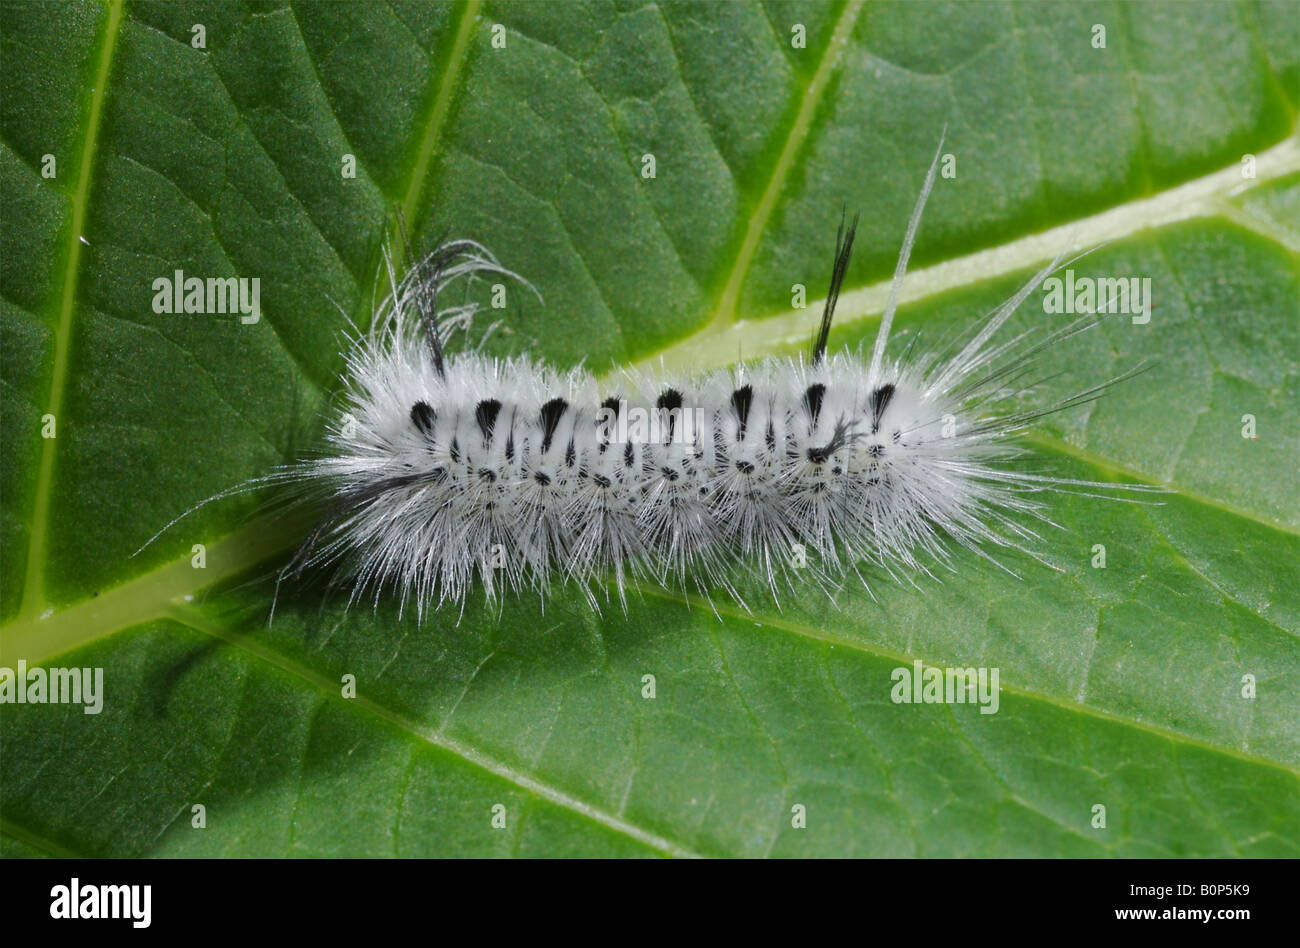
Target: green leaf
[{"x": 1122, "y": 687}]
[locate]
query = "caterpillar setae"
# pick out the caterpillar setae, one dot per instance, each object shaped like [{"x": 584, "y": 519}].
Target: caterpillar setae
[{"x": 447, "y": 469}]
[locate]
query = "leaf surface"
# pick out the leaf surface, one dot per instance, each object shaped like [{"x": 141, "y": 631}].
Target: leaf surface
[{"x": 1122, "y": 687}]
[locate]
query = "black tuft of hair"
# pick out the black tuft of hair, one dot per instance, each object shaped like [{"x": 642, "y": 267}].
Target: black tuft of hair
[{"x": 843, "y": 251}]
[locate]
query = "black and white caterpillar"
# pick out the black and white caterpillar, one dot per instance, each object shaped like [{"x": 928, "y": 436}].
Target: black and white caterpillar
[{"x": 443, "y": 470}]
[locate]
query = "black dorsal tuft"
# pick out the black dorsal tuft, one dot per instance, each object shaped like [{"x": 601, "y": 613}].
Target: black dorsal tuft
[
  {"x": 485, "y": 414},
  {"x": 742, "y": 399},
  {"x": 549, "y": 418},
  {"x": 812, "y": 401},
  {"x": 879, "y": 402},
  {"x": 667, "y": 403},
  {"x": 423, "y": 417}
]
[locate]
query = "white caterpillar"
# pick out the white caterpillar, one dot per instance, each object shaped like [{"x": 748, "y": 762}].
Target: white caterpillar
[{"x": 444, "y": 468}]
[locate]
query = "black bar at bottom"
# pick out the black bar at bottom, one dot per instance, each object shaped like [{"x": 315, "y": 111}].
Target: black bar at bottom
[{"x": 943, "y": 897}]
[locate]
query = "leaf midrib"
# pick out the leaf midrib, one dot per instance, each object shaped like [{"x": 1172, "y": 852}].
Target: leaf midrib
[
  {"x": 794, "y": 139},
  {"x": 33, "y": 580},
  {"x": 1204, "y": 197},
  {"x": 441, "y": 108}
]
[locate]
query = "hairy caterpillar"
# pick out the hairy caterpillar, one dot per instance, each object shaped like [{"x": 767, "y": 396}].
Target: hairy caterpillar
[{"x": 444, "y": 470}]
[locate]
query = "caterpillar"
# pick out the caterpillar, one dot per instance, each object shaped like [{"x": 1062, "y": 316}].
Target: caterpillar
[{"x": 447, "y": 470}]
